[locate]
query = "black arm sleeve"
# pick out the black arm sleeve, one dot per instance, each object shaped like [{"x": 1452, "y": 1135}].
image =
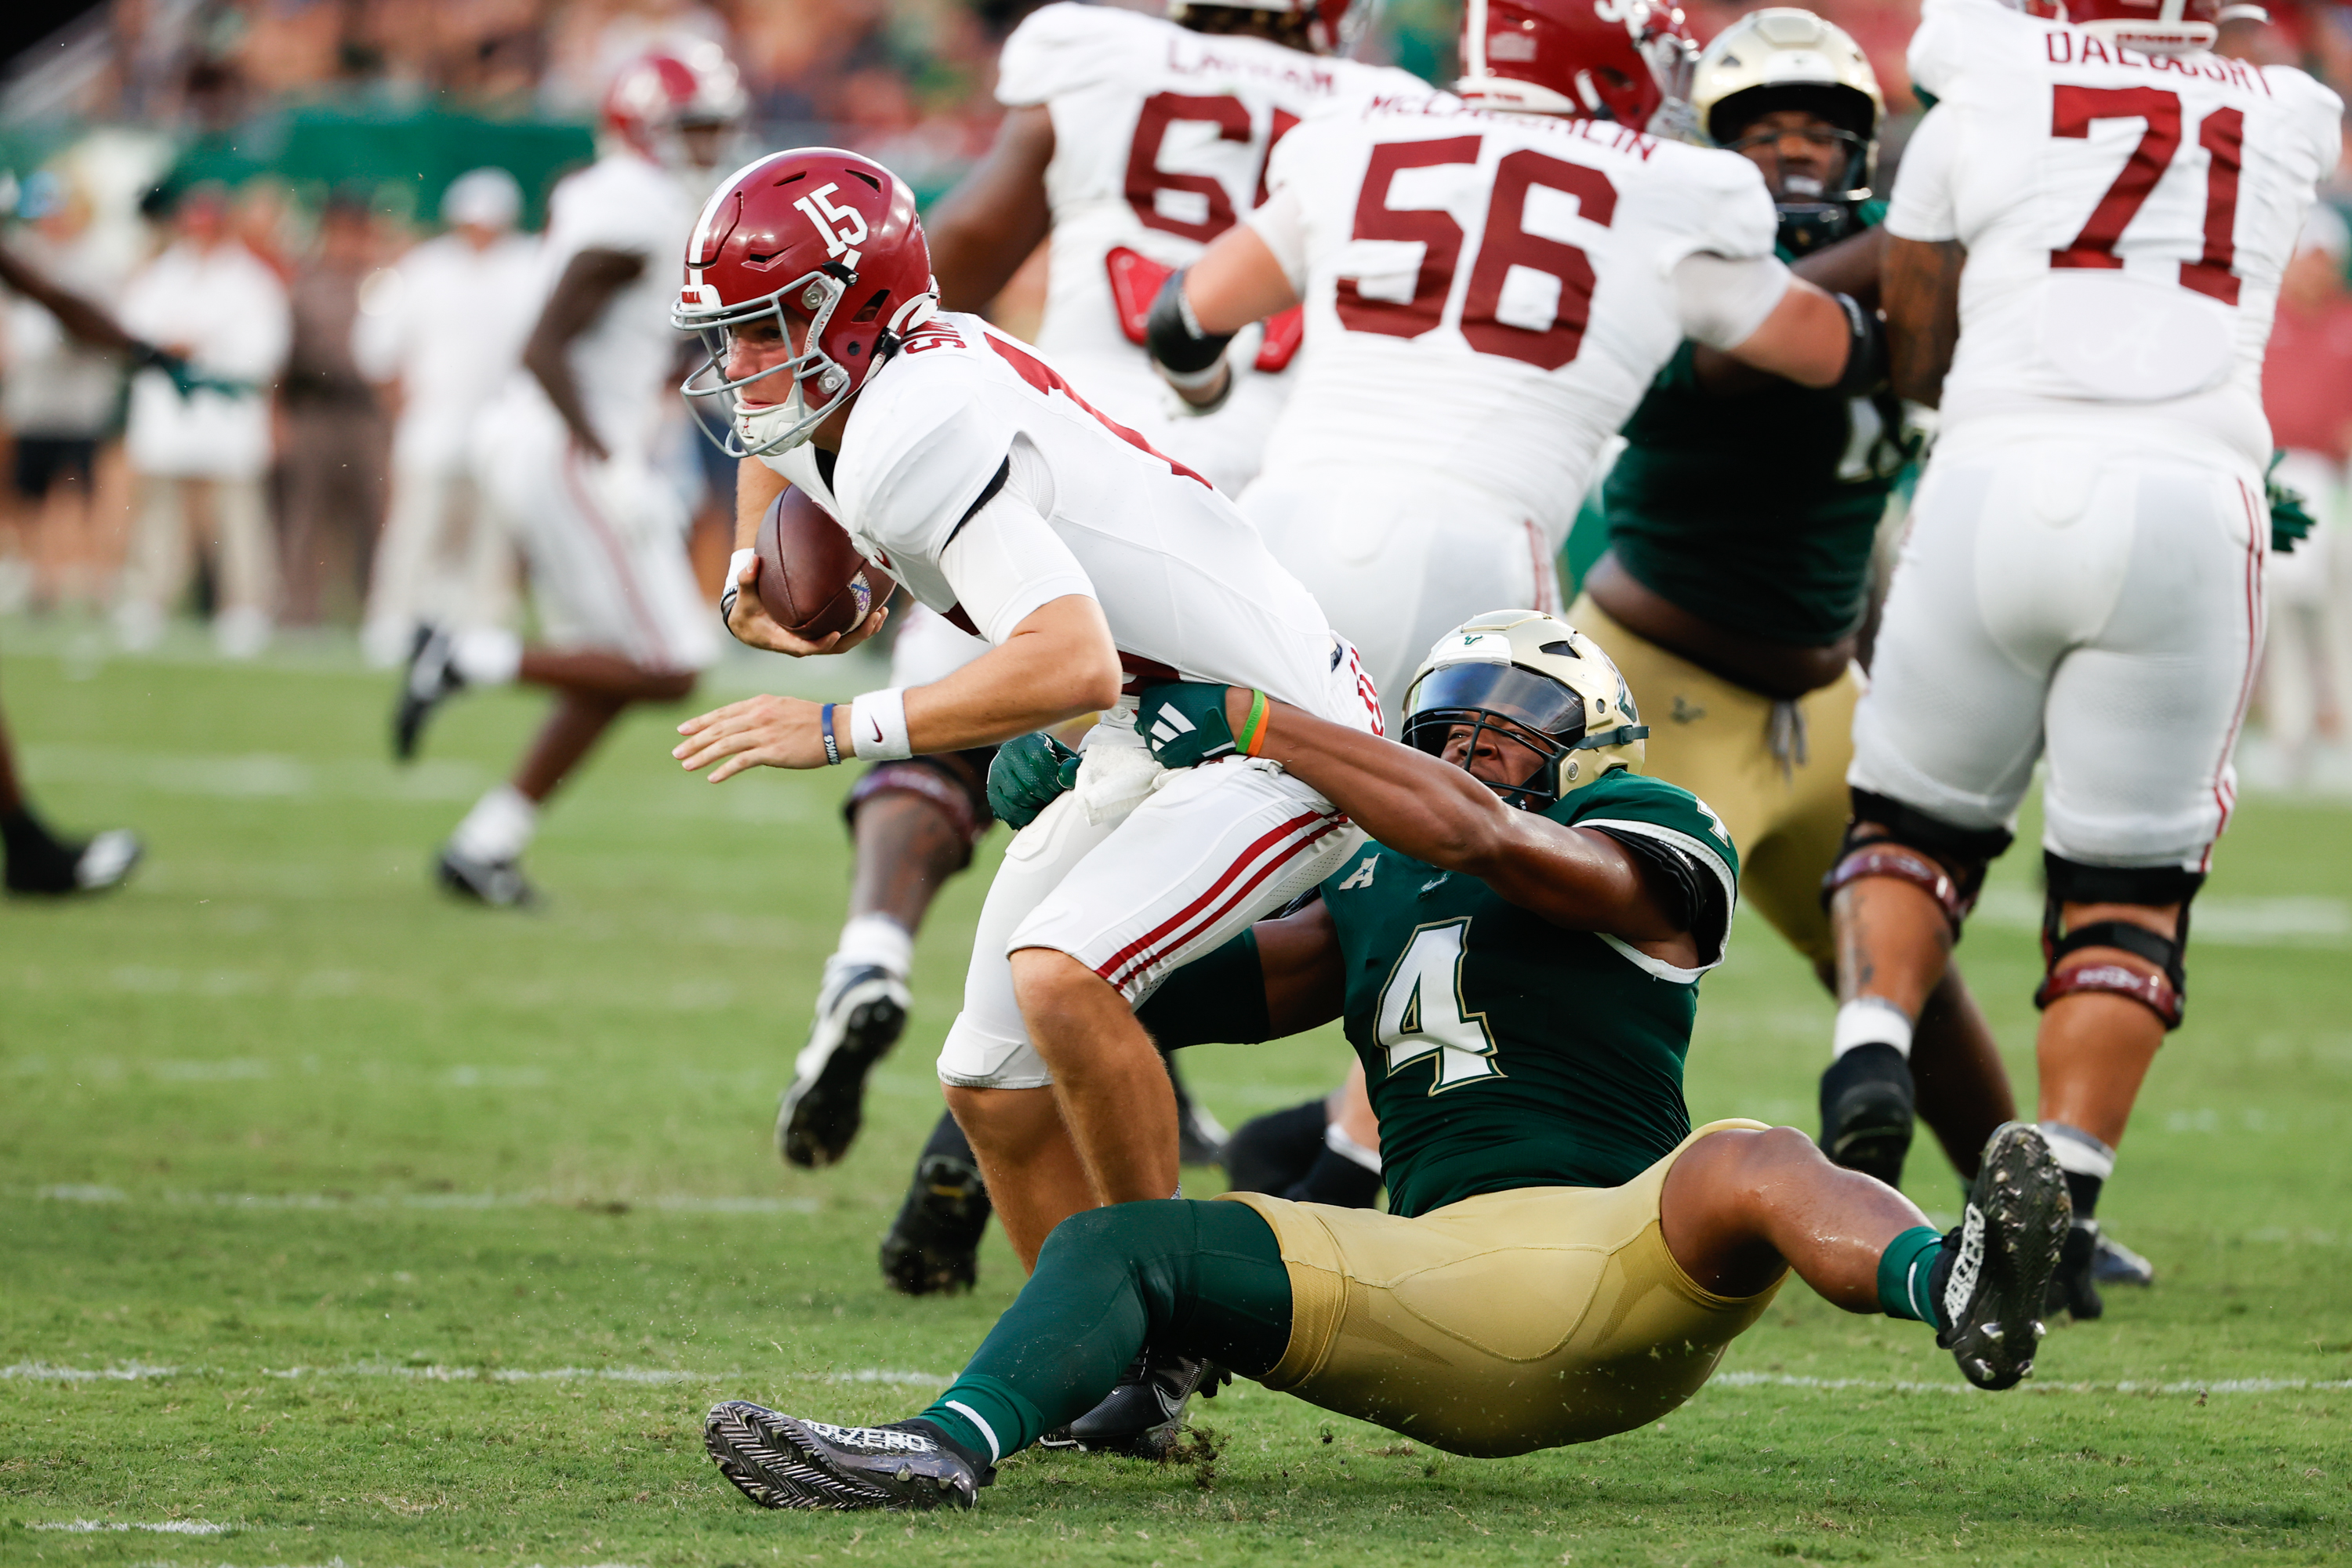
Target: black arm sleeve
[
  {"x": 1219, "y": 998},
  {"x": 1176, "y": 339},
  {"x": 1685, "y": 891}
]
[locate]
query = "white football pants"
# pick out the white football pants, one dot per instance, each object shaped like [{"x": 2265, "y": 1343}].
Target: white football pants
[
  {"x": 1135, "y": 873},
  {"x": 1399, "y": 559},
  {"x": 2078, "y": 598},
  {"x": 605, "y": 543}
]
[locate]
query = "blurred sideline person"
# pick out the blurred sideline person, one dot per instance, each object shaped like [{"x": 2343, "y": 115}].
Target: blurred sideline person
[
  {"x": 2083, "y": 578},
  {"x": 33, "y": 859},
  {"x": 199, "y": 463},
  {"x": 565, "y": 458},
  {"x": 59, "y": 396},
  {"x": 439, "y": 331},
  {"x": 1516, "y": 960},
  {"x": 338, "y": 439},
  {"x": 2307, "y": 394},
  {"x": 1128, "y": 141}
]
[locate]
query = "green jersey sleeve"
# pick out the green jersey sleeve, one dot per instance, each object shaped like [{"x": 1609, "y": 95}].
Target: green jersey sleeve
[{"x": 1635, "y": 805}]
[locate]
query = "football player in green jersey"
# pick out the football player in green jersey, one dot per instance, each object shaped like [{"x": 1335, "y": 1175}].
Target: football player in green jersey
[
  {"x": 1517, "y": 960},
  {"x": 1742, "y": 517}
]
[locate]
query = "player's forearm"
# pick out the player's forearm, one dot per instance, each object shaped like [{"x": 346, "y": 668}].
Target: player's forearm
[
  {"x": 1920, "y": 283},
  {"x": 1407, "y": 799},
  {"x": 981, "y": 231},
  {"x": 756, "y": 487},
  {"x": 1442, "y": 816},
  {"x": 1059, "y": 663},
  {"x": 79, "y": 317}
]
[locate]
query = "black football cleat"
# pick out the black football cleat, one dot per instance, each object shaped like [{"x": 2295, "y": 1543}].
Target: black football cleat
[
  {"x": 1143, "y": 1416},
  {"x": 1866, "y": 1112},
  {"x": 1201, "y": 1137},
  {"x": 2074, "y": 1288},
  {"x": 429, "y": 675},
  {"x": 2001, "y": 1256},
  {"x": 2115, "y": 1264},
  {"x": 859, "y": 1017},
  {"x": 779, "y": 1461},
  {"x": 40, "y": 864},
  {"x": 498, "y": 883},
  {"x": 933, "y": 1247}
]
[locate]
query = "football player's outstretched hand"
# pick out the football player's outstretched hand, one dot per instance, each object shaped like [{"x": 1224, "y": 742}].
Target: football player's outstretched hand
[
  {"x": 1183, "y": 721},
  {"x": 757, "y": 732},
  {"x": 1029, "y": 772}
]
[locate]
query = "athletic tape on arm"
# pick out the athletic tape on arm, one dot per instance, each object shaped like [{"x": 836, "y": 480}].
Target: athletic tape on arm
[{"x": 1722, "y": 302}]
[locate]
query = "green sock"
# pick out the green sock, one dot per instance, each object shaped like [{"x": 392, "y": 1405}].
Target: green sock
[
  {"x": 1905, "y": 1271},
  {"x": 1201, "y": 1280},
  {"x": 987, "y": 1416}
]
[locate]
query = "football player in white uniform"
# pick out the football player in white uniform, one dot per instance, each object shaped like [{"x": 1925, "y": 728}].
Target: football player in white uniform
[
  {"x": 1132, "y": 141},
  {"x": 2103, "y": 209},
  {"x": 1490, "y": 283},
  {"x": 563, "y": 459},
  {"x": 965, "y": 468}
]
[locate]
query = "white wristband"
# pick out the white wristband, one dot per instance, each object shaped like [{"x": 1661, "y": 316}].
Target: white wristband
[
  {"x": 731, "y": 587},
  {"x": 878, "y": 726}
]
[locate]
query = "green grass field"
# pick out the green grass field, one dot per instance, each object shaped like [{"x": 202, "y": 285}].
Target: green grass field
[{"x": 341, "y": 1224}]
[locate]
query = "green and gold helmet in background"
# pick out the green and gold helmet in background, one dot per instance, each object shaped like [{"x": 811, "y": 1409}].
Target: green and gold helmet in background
[
  {"x": 1535, "y": 679},
  {"x": 1784, "y": 58}
]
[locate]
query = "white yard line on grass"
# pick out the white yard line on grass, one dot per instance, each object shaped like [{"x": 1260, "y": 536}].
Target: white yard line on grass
[
  {"x": 665, "y": 1203},
  {"x": 163, "y": 1527},
  {"x": 1895, "y": 1386},
  {"x": 136, "y": 1372}
]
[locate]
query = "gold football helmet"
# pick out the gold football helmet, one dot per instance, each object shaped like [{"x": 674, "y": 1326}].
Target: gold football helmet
[
  {"x": 1538, "y": 681},
  {"x": 1784, "y": 58}
]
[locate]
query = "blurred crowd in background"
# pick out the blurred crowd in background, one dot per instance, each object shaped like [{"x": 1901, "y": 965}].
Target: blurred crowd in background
[{"x": 331, "y": 202}]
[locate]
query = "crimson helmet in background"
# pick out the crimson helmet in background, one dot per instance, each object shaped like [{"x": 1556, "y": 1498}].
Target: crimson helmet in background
[
  {"x": 1333, "y": 27},
  {"x": 1624, "y": 61},
  {"x": 665, "y": 90},
  {"x": 824, "y": 246},
  {"x": 2151, "y": 26}
]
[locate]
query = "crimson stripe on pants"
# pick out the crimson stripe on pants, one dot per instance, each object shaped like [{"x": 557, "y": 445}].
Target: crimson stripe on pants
[{"x": 1118, "y": 970}]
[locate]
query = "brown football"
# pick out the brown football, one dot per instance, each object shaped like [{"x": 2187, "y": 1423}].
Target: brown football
[{"x": 813, "y": 581}]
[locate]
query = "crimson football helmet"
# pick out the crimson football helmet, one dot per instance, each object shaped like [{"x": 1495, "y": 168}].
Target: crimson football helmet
[
  {"x": 2151, "y": 26},
  {"x": 824, "y": 246},
  {"x": 1333, "y": 27},
  {"x": 657, "y": 95},
  {"x": 1624, "y": 61}
]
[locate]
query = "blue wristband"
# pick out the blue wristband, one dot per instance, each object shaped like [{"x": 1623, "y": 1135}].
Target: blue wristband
[{"x": 832, "y": 746}]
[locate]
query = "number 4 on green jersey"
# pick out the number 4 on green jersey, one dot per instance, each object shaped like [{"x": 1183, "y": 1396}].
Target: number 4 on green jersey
[{"x": 1421, "y": 1010}]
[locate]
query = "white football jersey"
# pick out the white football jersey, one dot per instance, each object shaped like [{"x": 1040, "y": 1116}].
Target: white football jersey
[
  {"x": 625, "y": 362},
  {"x": 1183, "y": 580},
  {"x": 1161, "y": 138},
  {"x": 2126, "y": 218},
  {"x": 1488, "y": 295}
]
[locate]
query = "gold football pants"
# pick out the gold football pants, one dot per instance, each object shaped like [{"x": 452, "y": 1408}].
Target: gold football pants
[
  {"x": 1774, "y": 772},
  {"x": 1505, "y": 1323}
]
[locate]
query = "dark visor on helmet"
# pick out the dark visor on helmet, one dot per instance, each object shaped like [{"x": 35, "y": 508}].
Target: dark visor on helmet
[{"x": 1534, "y": 701}]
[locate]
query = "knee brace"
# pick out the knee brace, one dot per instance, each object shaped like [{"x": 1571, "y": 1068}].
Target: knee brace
[
  {"x": 2072, "y": 882},
  {"x": 1888, "y": 838},
  {"x": 955, "y": 781}
]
